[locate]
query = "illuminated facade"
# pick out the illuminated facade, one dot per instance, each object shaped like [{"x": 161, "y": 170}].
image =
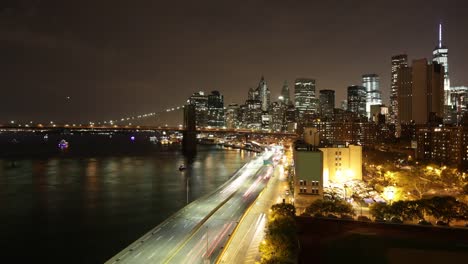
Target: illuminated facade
[
  {"x": 398, "y": 62},
  {"x": 215, "y": 109},
  {"x": 264, "y": 94},
  {"x": 277, "y": 113},
  {"x": 232, "y": 114},
  {"x": 304, "y": 95},
  {"x": 440, "y": 55},
  {"x": 374, "y": 95},
  {"x": 447, "y": 145},
  {"x": 200, "y": 101},
  {"x": 342, "y": 164},
  {"x": 357, "y": 97}
]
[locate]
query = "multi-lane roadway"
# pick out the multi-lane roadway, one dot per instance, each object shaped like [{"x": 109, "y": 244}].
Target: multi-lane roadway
[{"x": 198, "y": 232}]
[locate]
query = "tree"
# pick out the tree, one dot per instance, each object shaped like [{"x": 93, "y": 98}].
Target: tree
[
  {"x": 280, "y": 243},
  {"x": 283, "y": 210},
  {"x": 325, "y": 207},
  {"x": 446, "y": 208},
  {"x": 380, "y": 210}
]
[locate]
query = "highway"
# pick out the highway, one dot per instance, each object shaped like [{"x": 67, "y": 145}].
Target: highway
[
  {"x": 244, "y": 244},
  {"x": 220, "y": 210}
]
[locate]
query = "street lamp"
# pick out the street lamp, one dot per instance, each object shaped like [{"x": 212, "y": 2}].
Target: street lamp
[{"x": 389, "y": 193}]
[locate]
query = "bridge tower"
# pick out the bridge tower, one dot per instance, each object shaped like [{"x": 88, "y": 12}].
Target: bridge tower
[{"x": 189, "y": 143}]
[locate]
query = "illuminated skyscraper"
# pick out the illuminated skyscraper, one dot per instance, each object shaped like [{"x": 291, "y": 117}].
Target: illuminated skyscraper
[
  {"x": 232, "y": 116},
  {"x": 357, "y": 96},
  {"x": 440, "y": 55},
  {"x": 200, "y": 101},
  {"x": 398, "y": 62},
  {"x": 374, "y": 95},
  {"x": 304, "y": 95},
  {"x": 215, "y": 109},
  {"x": 264, "y": 94}
]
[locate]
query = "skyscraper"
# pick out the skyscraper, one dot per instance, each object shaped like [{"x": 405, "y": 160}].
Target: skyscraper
[
  {"x": 357, "y": 96},
  {"x": 215, "y": 109},
  {"x": 232, "y": 113},
  {"x": 285, "y": 93},
  {"x": 440, "y": 55},
  {"x": 304, "y": 95},
  {"x": 327, "y": 102},
  {"x": 398, "y": 62},
  {"x": 200, "y": 101},
  {"x": 374, "y": 95},
  {"x": 264, "y": 94},
  {"x": 404, "y": 86},
  {"x": 421, "y": 92}
]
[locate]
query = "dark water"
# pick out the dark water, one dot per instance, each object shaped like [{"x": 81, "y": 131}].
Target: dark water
[{"x": 78, "y": 209}]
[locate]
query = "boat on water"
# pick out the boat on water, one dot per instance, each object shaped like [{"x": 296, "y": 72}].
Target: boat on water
[
  {"x": 63, "y": 144},
  {"x": 182, "y": 167}
]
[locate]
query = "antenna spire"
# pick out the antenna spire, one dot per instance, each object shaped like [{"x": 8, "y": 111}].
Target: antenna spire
[{"x": 440, "y": 35}]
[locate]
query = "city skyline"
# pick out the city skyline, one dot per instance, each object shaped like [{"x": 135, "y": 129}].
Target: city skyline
[{"x": 115, "y": 67}]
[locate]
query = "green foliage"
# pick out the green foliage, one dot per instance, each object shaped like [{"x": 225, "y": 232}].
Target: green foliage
[
  {"x": 446, "y": 208},
  {"x": 280, "y": 243},
  {"x": 283, "y": 210},
  {"x": 325, "y": 207},
  {"x": 380, "y": 210}
]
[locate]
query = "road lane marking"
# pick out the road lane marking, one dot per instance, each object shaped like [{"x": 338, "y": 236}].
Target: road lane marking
[
  {"x": 170, "y": 238},
  {"x": 158, "y": 238},
  {"x": 152, "y": 255},
  {"x": 157, "y": 230}
]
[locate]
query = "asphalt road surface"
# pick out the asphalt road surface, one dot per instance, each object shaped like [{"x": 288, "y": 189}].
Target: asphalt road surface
[{"x": 184, "y": 235}]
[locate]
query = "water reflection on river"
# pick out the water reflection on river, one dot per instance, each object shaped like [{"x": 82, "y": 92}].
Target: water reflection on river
[{"x": 86, "y": 209}]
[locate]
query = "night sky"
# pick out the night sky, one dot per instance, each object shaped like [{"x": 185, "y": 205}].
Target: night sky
[{"x": 116, "y": 57}]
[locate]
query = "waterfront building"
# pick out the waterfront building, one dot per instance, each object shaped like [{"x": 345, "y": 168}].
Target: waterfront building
[
  {"x": 253, "y": 114},
  {"x": 200, "y": 101},
  {"x": 357, "y": 97},
  {"x": 232, "y": 114},
  {"x": 290, "y": 124},
  {"x": 215, "y": 109},
  {"x": 277, "y": 113},
  {"x": 327, "y": 103}
]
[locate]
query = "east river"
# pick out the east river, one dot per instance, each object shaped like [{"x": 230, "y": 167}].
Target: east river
[{"x": 85, "y": 209}]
